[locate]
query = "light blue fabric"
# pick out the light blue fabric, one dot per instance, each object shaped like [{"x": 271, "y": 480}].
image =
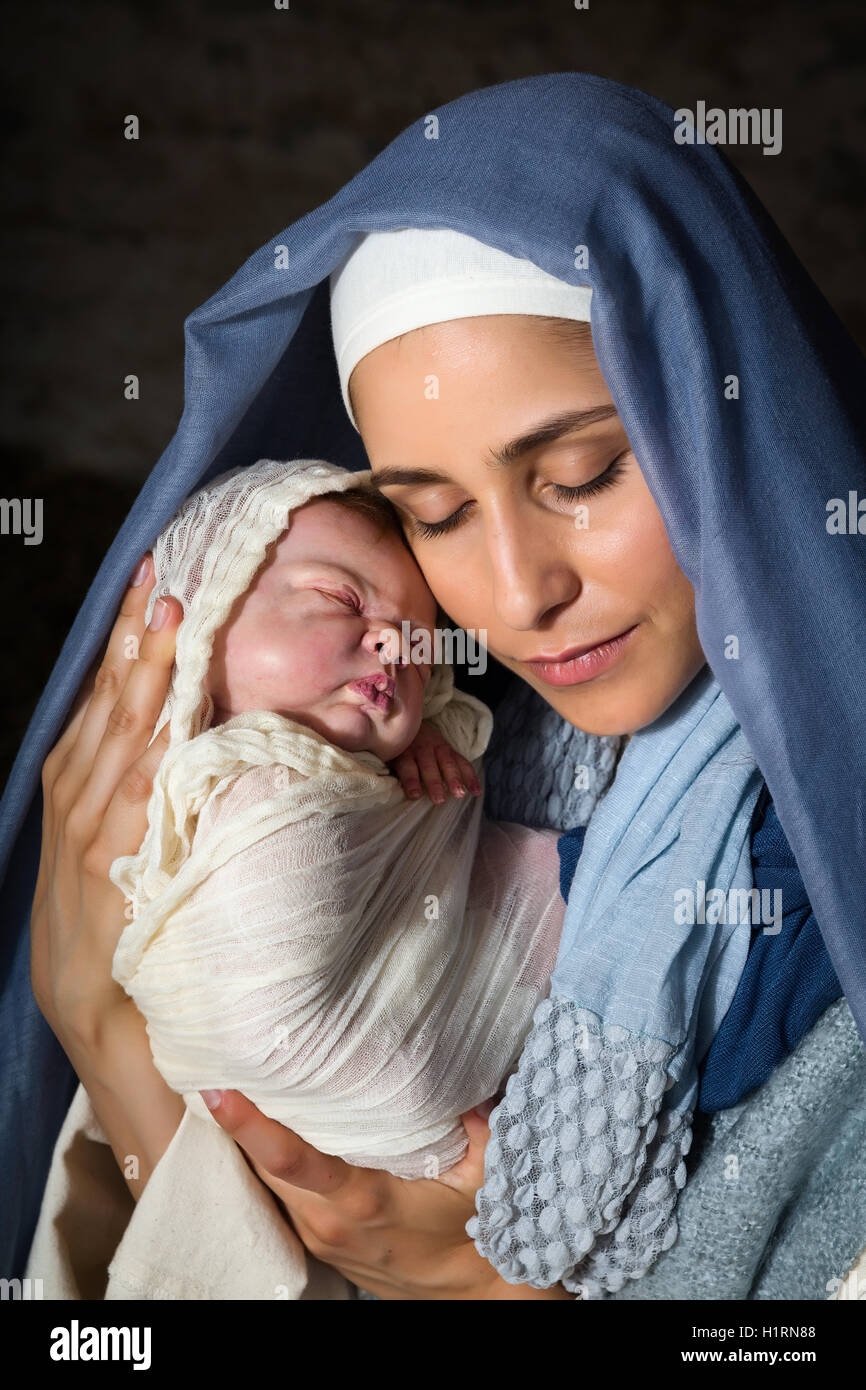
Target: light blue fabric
[
  {"x": 677, "y": 816},
  {"x": 693, "y": 287}
]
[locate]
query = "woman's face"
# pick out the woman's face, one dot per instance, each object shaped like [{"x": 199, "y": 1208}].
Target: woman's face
[
  {"x": 309, "y": 638},
  {"x": 498, "y": 442}
]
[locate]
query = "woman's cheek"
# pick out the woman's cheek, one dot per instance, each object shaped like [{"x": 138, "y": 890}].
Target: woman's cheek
[
  {"x": 645, "y": 565},
  {"x": 451, "y": 578}
]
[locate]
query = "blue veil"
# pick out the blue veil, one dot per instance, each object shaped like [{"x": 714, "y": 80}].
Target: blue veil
[{"x": 693, "y": 285}]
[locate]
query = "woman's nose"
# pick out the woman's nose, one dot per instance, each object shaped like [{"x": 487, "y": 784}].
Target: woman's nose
[{"x": 528, "y": 579}]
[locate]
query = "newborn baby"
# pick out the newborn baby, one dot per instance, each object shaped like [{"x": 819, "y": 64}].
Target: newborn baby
[{"x": 361, "y": 965}]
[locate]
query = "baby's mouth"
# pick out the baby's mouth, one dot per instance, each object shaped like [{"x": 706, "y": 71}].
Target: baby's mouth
[{"x": 378, "y": 689}]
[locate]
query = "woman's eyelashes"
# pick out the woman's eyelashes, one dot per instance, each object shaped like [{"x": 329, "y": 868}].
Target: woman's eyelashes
[
  {"x": 595, "y": 485},
  {"x": 611, "y": 475},
  {"x": 428, "y": 529}
]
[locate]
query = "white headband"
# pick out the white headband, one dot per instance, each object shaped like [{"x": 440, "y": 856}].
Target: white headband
[{"x": 395, "y": 281}]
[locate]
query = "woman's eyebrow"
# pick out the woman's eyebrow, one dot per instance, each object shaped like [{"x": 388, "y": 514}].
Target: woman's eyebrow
[{"x": 567, "y": 422}]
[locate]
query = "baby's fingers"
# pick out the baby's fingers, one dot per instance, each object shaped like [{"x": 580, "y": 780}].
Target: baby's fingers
[
  {"x": 437, "y": 765},
  {"x": 428, "y": 764},
  {"x": 406, "y": 769},
  {"x": 468, "y": 775},
  {"x": 457, "y": 771},
  {"x": 447, "y": 760}
]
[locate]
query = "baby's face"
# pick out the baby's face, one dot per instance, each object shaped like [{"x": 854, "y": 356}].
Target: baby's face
[{"x": 308, "y": 627}]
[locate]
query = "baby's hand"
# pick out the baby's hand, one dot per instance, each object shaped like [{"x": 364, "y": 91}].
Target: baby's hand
[{"x": 431, "y": 757}]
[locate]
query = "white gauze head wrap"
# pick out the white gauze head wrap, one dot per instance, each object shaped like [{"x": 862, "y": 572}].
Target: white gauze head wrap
[
  {"x": 351, "y": 961},
  {"x": 393, "y": 282}
]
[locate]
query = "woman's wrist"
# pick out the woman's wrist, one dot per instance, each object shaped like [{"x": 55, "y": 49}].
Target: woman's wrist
[{"x": 137, "y": 1109}]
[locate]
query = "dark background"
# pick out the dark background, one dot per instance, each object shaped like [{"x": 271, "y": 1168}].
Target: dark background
[{"x": 250, "y": 117}]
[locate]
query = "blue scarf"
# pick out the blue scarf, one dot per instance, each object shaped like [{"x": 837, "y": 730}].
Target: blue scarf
[
  {"x": 742, "y": 396},
  {"x": 584, "y": 1164}
]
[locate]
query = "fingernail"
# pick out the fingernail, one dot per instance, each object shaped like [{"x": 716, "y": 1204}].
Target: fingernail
[
  {"x": 483, "y": 1110},
  {"x": 211, "y": 1098},
  {"x": 458, "y": 790},
  {"x": 159, "y": 615},
  {"x": 139, "y": 574}
]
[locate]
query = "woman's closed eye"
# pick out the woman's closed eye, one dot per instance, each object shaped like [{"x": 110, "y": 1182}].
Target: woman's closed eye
[{"x": 606, "y": 479}]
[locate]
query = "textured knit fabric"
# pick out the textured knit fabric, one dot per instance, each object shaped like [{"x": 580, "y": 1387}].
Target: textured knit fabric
[
  {"x": 742, "y": 396},
  {"x": 539, "y": 769}
]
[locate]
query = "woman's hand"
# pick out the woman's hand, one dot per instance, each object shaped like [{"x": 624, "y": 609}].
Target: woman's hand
[
  {"x": 96, "y": 785},
  {"x": 431, "y": 757},
  {"x": 394, "y": 1238}
]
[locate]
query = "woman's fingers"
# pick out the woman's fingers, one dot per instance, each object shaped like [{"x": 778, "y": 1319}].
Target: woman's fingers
[
  {"x": 124, "y": 824},
  {"x": 467, "y": 1176},
  {"x": 396, "y": 1238},
  {"x": 85, "y": 730},
  {"x": 131, "y": 720},
  {"x": 283, "y": 1155}
]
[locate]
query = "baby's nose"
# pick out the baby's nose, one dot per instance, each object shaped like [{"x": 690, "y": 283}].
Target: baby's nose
[{"x": 387, "y": 644}]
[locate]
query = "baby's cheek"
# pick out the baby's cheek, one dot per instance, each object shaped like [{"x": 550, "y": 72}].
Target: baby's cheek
[
  {"x": 270, "y": 661},
  {"x": 315, "y": 660}
]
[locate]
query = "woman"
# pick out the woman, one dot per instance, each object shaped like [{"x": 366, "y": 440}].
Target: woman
[{"x": 739, "y": 394}]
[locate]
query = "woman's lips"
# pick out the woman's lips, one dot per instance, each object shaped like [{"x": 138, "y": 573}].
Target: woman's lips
[
  {"x": 582, "y": 663},
  {"x": 378, "y": 690}
]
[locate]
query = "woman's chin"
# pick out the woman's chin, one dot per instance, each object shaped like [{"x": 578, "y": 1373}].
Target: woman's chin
[{"x": 624, "y": 706}]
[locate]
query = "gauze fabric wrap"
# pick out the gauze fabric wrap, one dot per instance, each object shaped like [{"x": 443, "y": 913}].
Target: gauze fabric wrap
[
  {"x": 364, "y": 968},
  {"x": 692, "y": 283}
]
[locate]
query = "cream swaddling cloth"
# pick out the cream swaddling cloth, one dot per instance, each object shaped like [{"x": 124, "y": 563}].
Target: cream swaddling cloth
[{"x": 363, "y": 967}]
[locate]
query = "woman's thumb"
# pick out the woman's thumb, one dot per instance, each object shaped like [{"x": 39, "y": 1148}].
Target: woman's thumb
[
  {"x": 468, "y": 1175},
  {"x": 476, "y": 1123}
]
